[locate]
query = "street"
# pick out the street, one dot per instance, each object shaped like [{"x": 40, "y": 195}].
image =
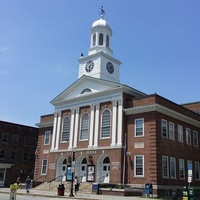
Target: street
[{"x": 30, "y": 197}]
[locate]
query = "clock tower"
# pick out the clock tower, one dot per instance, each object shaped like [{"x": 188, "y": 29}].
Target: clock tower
[{"x": 99, "y": 62}]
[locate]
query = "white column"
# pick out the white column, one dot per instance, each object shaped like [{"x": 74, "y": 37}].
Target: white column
[
  {"x": 76, "y": 127},
  {"x": 91, "y": 126},
  {"x": 58, "y": 129},
  {"x": 54, "y": 130},
  {"x": 120, "y": 122},
  {"x": 71, "y": 129},
  {"x": 114, "y": 124},
  {"x": 96, "y": 129}
]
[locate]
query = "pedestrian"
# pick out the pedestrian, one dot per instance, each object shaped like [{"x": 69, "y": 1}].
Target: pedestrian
[
  {"x": 28, "y": 184},
  {"x": 76, "y": 184},
  {"x": 18, "y": 181}
]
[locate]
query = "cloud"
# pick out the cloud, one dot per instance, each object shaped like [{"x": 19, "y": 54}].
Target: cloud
[{"x": 5, "y": 54}]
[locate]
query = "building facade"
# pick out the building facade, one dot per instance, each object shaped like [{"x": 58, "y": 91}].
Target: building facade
[
  {"x": 17, "y": 152},
  {"x": 115, "y": 133}
]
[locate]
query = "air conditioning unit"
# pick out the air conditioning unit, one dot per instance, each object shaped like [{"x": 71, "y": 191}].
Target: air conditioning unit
[{"x": 22, "y": 171}]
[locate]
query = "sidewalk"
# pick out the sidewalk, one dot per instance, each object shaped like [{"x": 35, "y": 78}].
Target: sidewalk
[{"x": 35, "y": 192}]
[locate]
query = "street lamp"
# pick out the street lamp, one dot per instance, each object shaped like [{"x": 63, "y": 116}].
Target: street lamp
[{"x": 72, "y": 170}]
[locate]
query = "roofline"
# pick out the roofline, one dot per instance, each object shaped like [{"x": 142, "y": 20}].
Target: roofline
[{"x": 16, "y": 124}]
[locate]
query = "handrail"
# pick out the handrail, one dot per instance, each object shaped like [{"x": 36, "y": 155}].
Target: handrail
[
  {"x": 100, "y": 178},
  {"x": 55, "y": 179}
]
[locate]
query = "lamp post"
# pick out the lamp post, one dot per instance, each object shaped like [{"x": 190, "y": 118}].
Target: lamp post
[{"x": 72, "y": 170}]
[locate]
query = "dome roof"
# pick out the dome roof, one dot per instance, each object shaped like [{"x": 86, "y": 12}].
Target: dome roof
[{"x": 101, "y": 22}]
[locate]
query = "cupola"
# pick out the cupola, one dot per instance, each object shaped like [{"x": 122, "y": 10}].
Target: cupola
[{"x": 100, "y": 36}]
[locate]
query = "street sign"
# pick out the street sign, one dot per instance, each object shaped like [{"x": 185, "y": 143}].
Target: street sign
[
  {"x": 73, "y": 163},
  {"x": 189, "y": 179}
]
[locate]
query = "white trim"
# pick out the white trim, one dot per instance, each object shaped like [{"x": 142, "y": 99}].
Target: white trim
[
  {"x": 135, "y": 175},
  {"x": 163, "y": 110},
  {"x": 5, "y": 165}
]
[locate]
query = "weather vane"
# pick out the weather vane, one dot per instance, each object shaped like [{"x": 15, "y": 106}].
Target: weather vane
[{"x": 102, "y": 12}]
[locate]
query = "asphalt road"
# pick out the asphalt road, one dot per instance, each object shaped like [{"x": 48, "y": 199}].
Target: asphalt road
[{"x": 27, "y": 197}]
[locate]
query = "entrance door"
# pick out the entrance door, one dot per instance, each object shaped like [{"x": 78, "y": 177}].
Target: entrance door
[
  {"x": 2, "y": 176},
  {"x": 106, "y": 170},
  {"x": 64, "y": 169},
  {"x": 83, "y": 167}
]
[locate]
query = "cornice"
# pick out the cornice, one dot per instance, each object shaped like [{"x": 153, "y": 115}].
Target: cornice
[
  {"x": 86, "y": 149},
  {"x": 163, "y": 110},
  {"x": 45, "y": 124}
]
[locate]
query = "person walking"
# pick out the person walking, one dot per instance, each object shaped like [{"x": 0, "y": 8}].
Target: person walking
[
  {"x": 76, "y": 184},
  {"x": 28, "y": 184},
  {"x": 18, "y": 181}
]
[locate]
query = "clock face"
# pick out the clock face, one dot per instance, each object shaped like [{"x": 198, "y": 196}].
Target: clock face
[
  {"x": 89, "y": 66},
  {"x": 110, "y": 67}
]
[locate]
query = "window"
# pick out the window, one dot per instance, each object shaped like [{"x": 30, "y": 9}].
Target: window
[
  {"x": 84, "y": 127},
  {"x": 190, "y": 170},
  {"x": 106, "y": 124},
  {"x": 32, "y": 157},
  {"x": 13, "y": 155},
  {"x": 188, "y": 136},
  {"x": 195, "y": 138},
  {"x": 139, "y": 127},
  {"x": 44, "y": 167},
  {"x": 172, "y": 167},
  {"x": 181, "y": 169},
  {"x": 2, "y": 154},
  {"x": 25, "y": 156},
  {"x": 139, "y": 166},
  {"x": 164, "y": 128},
  {"x": 94, "y": 40},
  {"x": 66, "y": 129},
  {"x": 15, "y": 139},
  {"x": 47, "y": 137},
  {"x": 180, "y": 133},
  {"x": 165, "y": 170},
  {"x": 171, "y": 131},
  {"x": 26, "y": 141},
  {"x": 107, "y": 41},
  {"x": 197, "y": 171},
  {"x": 4, "y": 138},
  {"x": 101, "y": 39},
  {"x": 33, "y": 142}
]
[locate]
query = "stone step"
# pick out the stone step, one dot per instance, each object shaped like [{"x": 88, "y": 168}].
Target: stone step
[{"x": 53, "y": 186}]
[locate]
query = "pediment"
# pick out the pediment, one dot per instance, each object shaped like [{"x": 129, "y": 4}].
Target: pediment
[{"x": 85, "y": 86}]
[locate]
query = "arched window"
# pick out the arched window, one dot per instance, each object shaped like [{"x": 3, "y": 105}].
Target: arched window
[
  {"x": 106, "y": 123},
  {"x": 94, "y": 40},
  {"x": 106, "y": 160},
  {"x": 84, "y": 127},
  {"x": 107, "y": 41},
  {"x": 84, "y": 161},
  {"x": 64, "y": 162},
  {"x": 65, "y": 129},
  {"x": 101, "y": 39},
  {"x": 86, "y": 90}
]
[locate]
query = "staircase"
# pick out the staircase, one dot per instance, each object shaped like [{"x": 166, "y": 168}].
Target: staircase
[{"x": 52, "y": 186}]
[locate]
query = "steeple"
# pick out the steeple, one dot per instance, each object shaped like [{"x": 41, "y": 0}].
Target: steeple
[
  {"x": 100, "y": 35},
  {"x": 99, "y": 62}
]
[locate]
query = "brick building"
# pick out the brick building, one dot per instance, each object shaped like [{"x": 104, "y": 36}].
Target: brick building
[
  {"x": 17, "y": 152},
  {"x": 117, "y": 133}
]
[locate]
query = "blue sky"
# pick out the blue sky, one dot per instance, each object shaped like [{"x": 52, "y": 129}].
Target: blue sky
[{"x": 157, "y": 41}]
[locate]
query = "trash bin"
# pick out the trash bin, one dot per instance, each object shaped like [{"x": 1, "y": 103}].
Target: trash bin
[
  {"x": 185, "y": 193},
  {"x": 148, "y": 189},
  {"x": 95, "y": 188},
  {"x": 61, "y": 190},
  {"x": 190, "y": 193}
]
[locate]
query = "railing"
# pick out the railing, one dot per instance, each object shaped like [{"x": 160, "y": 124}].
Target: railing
[
  {"x": 61, "y": 176},
  {"x": 98, "y": 180}
]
